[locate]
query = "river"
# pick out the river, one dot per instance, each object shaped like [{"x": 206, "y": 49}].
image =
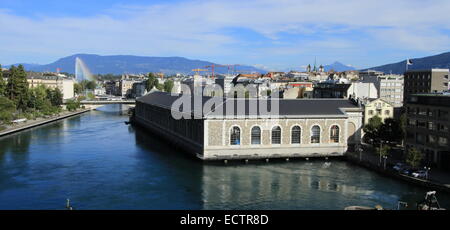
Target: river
[{"x": 98, "y": 162}]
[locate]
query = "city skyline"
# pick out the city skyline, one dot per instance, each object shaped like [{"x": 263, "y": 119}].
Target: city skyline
[{"x": 274, "y": 35}]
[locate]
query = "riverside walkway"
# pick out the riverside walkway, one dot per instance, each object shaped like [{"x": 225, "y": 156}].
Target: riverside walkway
[
  {"x": 39, "y": 121},
  {"x": 437, "y": 179}
]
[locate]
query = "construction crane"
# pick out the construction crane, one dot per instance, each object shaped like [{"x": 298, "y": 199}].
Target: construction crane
[
  {"x": 213, "y": 66},
  {"x": 197, "y": 71}
]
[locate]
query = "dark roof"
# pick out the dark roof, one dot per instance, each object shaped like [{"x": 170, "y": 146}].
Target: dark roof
[{"x": 228, "y": 106}]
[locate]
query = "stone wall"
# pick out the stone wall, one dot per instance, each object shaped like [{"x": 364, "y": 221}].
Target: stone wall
[{"x": 218, "y": 144}]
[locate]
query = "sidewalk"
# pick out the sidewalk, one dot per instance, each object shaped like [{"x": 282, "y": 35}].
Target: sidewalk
[
  {"x": 371, "y": 159},
  {"x": 39, "y": 121}
]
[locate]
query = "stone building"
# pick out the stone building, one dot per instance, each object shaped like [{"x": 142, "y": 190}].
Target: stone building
[
  {"x": 65, "y": 85},
  {"x": 391, "y": 89},
  {"x": 425, "y": 81},
  {"x": 428, "y": 127},
  {"x": 378, "y": 107},
  {"x": 214, "y": 129}
]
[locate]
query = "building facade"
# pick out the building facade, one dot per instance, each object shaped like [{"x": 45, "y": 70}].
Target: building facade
[
  {"x": 391, "y": 89},
  {"x": 65, "y": 85},
  {"x": 361, "y": 90},
  {"x": 378, "y": 107},
  {"x": 331, "y": 90},
  {"x": 428, "y": 127},
  {"x": 301, "y": 128},
  {"x": 425, "y": 81}
]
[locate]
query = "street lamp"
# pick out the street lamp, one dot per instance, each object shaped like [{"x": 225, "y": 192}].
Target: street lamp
[
  {"x": 381, "y": 146},
  {"x": 360, "y": 150},
  {"x": 427, "y": 169}
]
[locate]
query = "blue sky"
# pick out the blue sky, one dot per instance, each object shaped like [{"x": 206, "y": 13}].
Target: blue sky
[{"x": 276, "y": 35}]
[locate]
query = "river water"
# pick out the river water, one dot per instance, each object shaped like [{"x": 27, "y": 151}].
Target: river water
[{"x": 98, "y": 162}]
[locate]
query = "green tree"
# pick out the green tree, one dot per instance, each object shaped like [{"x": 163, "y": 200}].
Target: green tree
[
  {"x": 91, "y": 85},
  {"x": 7, "y": 109},
  {"x": 90, "y": 96},
  {"x": 72, "y": 105},
  {"x": 55, "y": 96},
  {"x": 17, "y": 87},
  {"x": 372, "y": 129},
  {"x": 384, "y": 150},
  {"x": 152, "y": 82},
  {"x": 159, "y": 86},
  {"x": 77, "y": 88},
  {"x": 38, "y": 98},
  {"x": 414, "y": 158},
  {"x": 168, "y": 86},
  {"x": 391, "y": 131},
  {"x": 2, "y": 83}
]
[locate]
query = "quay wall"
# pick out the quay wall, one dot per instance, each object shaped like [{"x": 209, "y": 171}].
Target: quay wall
[{"x": 43, "y": 122}]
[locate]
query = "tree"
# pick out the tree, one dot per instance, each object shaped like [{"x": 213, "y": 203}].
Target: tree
[
  {"x": 159, "y": 86},
  {"x": 372, "y": 129},
  {"x": 2, "y": 83},
  {"x": 90, "y": 96},
  {"x": 77, "y": 88},
  {"x": 391, "y": 131},
  {"x": 91, "y": 85},
  {"x": 38, "y": 98},
  {"x": 414, "y": 158},
  {"x": 151, "y": 82},
  {"x": 7, "y": 109},
  {"x": 384, "y": 151},
  {"x": 168, "y": 86},
  {"x": 17, "y": 87},
  {"x": 55, "y": 96},
  {"x": 72, "y": 105}
]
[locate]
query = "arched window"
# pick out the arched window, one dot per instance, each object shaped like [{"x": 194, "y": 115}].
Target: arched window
[
  {"x": 296, "y": 135},
  {"x": 315, "y": 134},
  {"x": 256, "y": 135},
  {"x": 276, "y": 135},
  {"x": 334, "y": 134},
  {"x": 235, "y": 137}
]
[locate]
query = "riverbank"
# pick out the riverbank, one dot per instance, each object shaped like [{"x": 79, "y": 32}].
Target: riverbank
[
  {"x": 40, "y": 121},
  {"x": 389, "y": 172}
]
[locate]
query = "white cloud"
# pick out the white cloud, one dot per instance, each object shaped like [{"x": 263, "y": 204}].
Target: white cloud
[{"x": 198, "y": 28}]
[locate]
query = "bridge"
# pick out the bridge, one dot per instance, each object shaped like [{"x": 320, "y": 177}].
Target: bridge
[{"x": 93, "y": 104}]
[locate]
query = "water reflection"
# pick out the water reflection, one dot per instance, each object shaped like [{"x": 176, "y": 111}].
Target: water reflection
[{"x": 100, "y": 163}]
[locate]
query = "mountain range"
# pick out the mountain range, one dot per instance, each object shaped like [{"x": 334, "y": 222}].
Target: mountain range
[
  {"x": 121, "y": 64},
  {"x": 436, "y": 61},
  {"x": 338, "y": 67}
]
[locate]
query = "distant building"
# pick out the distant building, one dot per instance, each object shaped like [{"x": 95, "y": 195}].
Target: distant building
[
  {"x": 303, "y": 128},
  {"x": 378, "y": 107},
  {"x": 298, "y": 76},
  {"x": 126, "y": 87},
  {"x": 361, "y": 91},
  {"x": 363, "y": 75},
  {"x": 425, "y": 81},
  {"x": 65, "y": 85},
  {"x": 428, "y": 127},
  {"x": 99, "y": 91},
  {"x": 226, "y": 82},
  {"x": 139, "y": 89},
  {"x": 297, "y": 93},
  {"x": 391, "y": 89},
  {"x": 295, "y": 90},
  {"x": 111, "y": 88},
  {"x": 331, "y": 90}
]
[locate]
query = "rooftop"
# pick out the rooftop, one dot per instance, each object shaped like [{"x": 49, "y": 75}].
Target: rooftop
[{"x": 228, "y": 106}]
